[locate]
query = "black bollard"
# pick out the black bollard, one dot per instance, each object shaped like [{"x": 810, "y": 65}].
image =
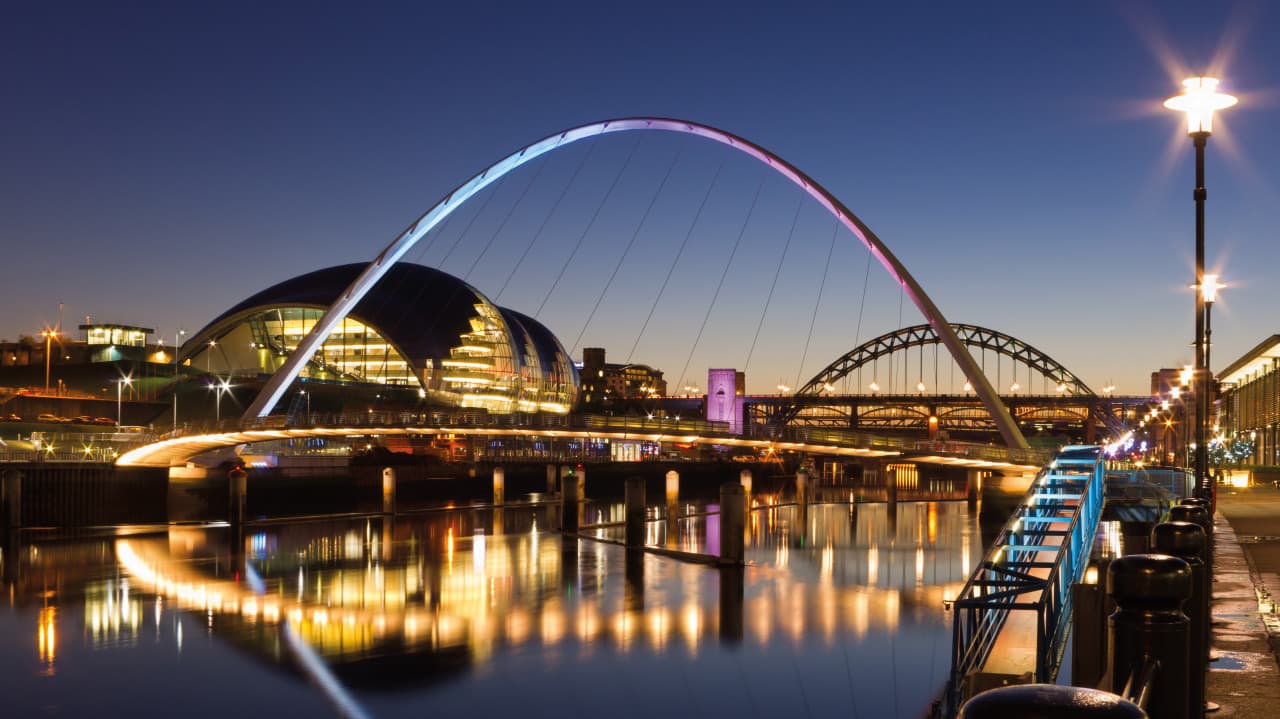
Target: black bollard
[
  {"x": 635, "y": 511},
  {"x": 1049, "y": 701},
  {"x": 1186, "y": 541},
  {"x": 1149, "y": 627},
  {"x": 1197, "y": 515}
]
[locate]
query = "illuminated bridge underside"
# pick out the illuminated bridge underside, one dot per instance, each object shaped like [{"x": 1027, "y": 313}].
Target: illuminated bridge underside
[
  {"x": 1074, "y": 391},
  {"x": 177, "y": 452},
  {"x": 280, "y": 381}
]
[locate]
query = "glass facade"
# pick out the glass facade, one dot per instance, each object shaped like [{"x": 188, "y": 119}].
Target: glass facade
[{"x": 420, "y": 329}]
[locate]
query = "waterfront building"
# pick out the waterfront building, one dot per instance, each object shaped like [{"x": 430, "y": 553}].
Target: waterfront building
[
  {"x": 1250, "y": 400},
  {"x": 418, "y": 328}
]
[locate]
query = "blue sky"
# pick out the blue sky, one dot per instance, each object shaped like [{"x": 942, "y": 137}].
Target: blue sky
[{"x": 164, "y": 160}]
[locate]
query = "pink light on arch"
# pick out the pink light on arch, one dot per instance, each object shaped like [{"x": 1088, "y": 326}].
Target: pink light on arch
[{"x": 283, "y": 377}]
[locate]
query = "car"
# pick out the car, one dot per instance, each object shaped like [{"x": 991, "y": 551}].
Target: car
[
  {"x": 103, "y": 420},
  {"x": 83, "y": 419},
  {"x": 11, "y": 417},
  {"x": 47, "y": 417}
]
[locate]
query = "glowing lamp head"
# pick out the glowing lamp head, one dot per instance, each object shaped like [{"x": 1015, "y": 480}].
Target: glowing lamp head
[
  {"x": 1199, "y": 99},
  {"x": 1209, "y": 289}
]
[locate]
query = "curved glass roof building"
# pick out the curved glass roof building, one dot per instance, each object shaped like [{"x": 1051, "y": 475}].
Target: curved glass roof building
[{"x": 418, "y": 327}]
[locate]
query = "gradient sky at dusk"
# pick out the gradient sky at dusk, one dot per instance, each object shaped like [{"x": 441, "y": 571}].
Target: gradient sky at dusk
[{"x": 161, "y": 161}]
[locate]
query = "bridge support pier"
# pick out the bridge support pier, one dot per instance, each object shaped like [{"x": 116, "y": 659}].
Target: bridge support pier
[
  {"x": 1148, "y": 630},
  {"x": 499, "y": 486},
  {"x": 551, "y": 479},
  {"x": 802, "y": 502},
  {"x": 388, "y": 490},
  {"x": 733, "y": 511},
  {"x": 635, "y": 511},
  {"x": 570, "y": 504},
  {"x": 744, "y": 478}
]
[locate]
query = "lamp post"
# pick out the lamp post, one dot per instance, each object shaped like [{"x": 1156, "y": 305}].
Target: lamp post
[
  {"x": 218, "y": 388},
  {"x": 177, "y": 341},
  {"x": 48, "y": 355},
  {"x": 1209, "y": 293},
  {"x": 1199, "y": 99},
  {"x": 120, "y": 383}
]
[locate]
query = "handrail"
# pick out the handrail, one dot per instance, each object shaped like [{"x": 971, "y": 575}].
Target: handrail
[{"x": 1012, "y": 577}]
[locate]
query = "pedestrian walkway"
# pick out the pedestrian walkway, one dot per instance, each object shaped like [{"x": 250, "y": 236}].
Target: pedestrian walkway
[{"x": 1245, "y": 680}]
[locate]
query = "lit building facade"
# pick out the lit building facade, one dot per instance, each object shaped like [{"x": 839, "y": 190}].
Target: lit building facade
[
  {"x": 604, "y": 382},
  {"x": 1250, "y": 400},
  {"x": 417, "y": 328},
  {"x": 725, "y": 390}
]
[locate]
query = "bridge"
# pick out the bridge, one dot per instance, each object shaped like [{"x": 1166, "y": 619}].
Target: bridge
[{"x": 176, "y": 450}]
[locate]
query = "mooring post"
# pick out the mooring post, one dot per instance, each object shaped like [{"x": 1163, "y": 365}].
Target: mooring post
[
  {"x": 499, "y": 486},
  {"x": 635, "y": 511},
  {"x": 673, "y": 509},
  {"x": 1148, "y": 629},
  {"x": 237, "y": 488},
  {"x": 388, "y": 490},
  {"x": 973, "y": 488},
  {"x": 733, "y": 511},
  {"x": 569, "y": 502},
  {"x": 1186, "y": 541}
]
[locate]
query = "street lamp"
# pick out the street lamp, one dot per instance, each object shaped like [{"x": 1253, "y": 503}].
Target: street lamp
[
  {"x": 48, "y": 334},
  {"x": 120, "y": 383},
  {"x": 218, "y": 388},
  {"x": 177, "y": 341},
  {"x": 1208, "y": 293},
  {"x": 1199, "y": 100}
]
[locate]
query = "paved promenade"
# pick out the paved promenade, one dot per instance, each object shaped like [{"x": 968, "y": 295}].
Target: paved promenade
[{"x": 1245, "y": 681}]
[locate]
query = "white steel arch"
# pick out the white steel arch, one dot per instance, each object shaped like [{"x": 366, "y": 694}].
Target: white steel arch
[{"x": 280, "y": 381}]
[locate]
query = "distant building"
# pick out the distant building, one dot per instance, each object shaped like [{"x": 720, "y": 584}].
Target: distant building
[
  {"x": 1250, "y": 400},
  {"x": 605, "y": 383},
  {"x": 725, "y": 391}
]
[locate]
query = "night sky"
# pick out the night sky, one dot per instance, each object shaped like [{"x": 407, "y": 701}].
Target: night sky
[{"x": 163, "y": 161}]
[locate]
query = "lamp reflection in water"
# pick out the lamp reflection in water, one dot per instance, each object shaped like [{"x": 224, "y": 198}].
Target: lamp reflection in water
[{"x": 525, "y": 587}]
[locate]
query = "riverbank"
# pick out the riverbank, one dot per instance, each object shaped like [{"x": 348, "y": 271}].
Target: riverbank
[{"x": 1245, "y": 680}]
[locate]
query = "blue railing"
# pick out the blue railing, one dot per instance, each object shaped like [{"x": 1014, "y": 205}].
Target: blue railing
[{"x": 1064, "y": 502}]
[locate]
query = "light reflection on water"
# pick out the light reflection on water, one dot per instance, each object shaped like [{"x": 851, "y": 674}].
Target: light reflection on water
[{"x": 839, "y": 611}]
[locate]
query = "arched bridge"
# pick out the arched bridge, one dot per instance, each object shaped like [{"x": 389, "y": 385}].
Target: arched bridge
[
  {"x": 1066, "y": 384},
  {"x": 397, "y": 249},
  {"x": 175, "y": 451}
]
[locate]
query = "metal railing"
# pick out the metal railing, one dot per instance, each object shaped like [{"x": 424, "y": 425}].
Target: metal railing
[{"x": 1014, "y": 576}]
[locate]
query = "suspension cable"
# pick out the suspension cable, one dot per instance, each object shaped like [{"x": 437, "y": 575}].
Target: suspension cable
[
  {"x": 769, "y": 298},
  {"x": 813, "y": 319},
  {"x": 679, "y": 253},
  {"x": 630, "y": 243},
  {"x": 506, "y": 218},
  {"x": 590, "y": 223},
  {"x": 555, "y": 206},
  {"x": 742, "y": 231}
]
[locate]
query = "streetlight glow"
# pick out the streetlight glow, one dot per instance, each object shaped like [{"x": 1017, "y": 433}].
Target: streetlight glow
[
  {"x": 1209, "y": 290},
  {"x": 1199, "y": 100}
]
